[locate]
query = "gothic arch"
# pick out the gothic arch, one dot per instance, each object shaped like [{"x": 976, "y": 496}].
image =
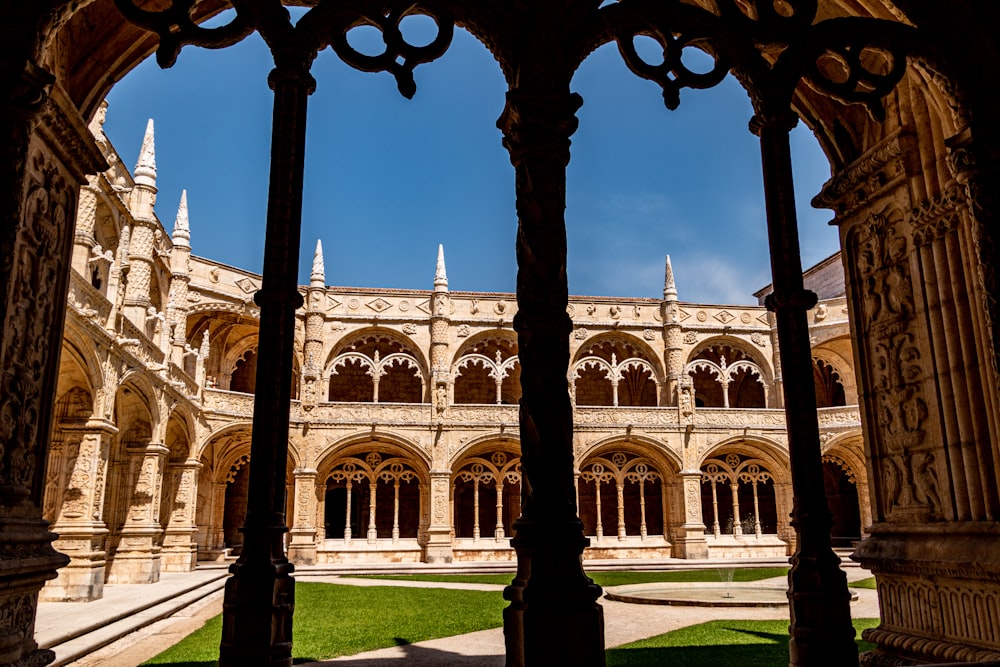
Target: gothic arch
[
  {"x": 486, "y": 443},
  {"x": 88, "y": 43},
  {"x": 614, "y": 369},
  {"x": 356, "y": 368},
  {"x": 486, "y": 370},
  {"x": 666, "y": 458},
  {"x": 773, "y": 452},
  {"x": 727, "y": 372},
  {"x": 81, "y": 348},
  {"x": 635, "y": 500},
  {"x": 364, "y": 440},
  {"x": 76, "y": 371}
]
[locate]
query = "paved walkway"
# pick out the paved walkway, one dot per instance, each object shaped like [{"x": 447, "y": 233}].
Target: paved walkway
[{"x": 624, "y": 623}]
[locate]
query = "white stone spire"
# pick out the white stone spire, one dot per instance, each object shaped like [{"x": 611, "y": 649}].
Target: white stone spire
[
  {"x": 318, "y": 276},
  {"x": 145, "y": 168},
  {"x": 669, "y": 288},
  {"x": 182, "y": 226},
  {"x": 440, "y": 275}
]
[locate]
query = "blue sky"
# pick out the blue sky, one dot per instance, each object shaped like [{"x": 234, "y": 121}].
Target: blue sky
[{"x": 387, "y": 179}]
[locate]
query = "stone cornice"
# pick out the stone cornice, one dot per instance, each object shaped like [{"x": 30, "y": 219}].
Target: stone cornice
[{"x": 69, "y": 137}]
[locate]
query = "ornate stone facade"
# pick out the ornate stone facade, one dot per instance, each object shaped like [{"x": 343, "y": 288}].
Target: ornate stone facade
[
  {"x": 915, "y": 177},
  {"x": 404, "y": 439}
]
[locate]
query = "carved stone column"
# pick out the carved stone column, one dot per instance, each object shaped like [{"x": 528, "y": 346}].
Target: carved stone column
[
  {"x": 440, "y": 312},
  {"x": 929, "y": 420},
  {"x": 137, "y": 560},
  {"x": 74, "y": 502},
  {"x": 303, "y": 532},
  {"x": 217, "y": 529},
  {"x": 180, "y": 551},
  {"x": 819, "y": 601},
  {"x": 260, "y": 596},
  {"x": 673, "y": 342},
  {"x": 689, "y": 538},
  {"x": 312, "y": 388},
  {"x": 439, "y": 546},
  {"x": 45, "y": 154},
  {"x": 83, "y": 235},
  {"x": 553, "y": 617},
  {"x": 141, "y": 240},
  {"x": 175, "y": 323}
]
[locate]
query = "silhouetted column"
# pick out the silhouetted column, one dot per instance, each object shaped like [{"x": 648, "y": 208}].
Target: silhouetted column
[
  {"x": 260, "y": 596},
  {"x": 553, "y": 617},
  {"x": 819, "y": 602}
]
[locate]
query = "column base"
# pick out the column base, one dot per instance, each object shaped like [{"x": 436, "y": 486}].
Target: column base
[
  {"x": 24, "y": 568},
  {"x": 257, "y": 615},
  {"x": 302, "y": 548},
  {"x": 137, "y": 561},
  {"x": 820, "y": 609},
  {"x": 923, "y": 622},
  {"x": 439, "y": 547},
  {"x": 553, "y": 616},
  {"x": 690, "y": 542},
  {"x": 82, "y": 580}
]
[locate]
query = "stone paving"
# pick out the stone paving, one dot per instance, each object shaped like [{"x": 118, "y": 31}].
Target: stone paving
[{"x": 624, "y": 623}]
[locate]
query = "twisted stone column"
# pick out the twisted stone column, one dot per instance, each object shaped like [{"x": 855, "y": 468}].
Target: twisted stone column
[
  {"x": 260, "y": 596},
  {"x": 819, "y": 602},
  {"x": 553, "y": 617}
]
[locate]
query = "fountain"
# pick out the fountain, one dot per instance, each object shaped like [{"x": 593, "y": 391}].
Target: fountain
[
  {"x": 703, "y": 594},
  {"x": 706, "y": 594}
]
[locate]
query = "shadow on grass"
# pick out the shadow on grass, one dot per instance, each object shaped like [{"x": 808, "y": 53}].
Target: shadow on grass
[{"x": 698, "y": 656}]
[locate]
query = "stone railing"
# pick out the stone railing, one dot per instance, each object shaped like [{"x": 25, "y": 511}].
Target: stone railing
[
  {"x": 232, "y": 403},
  {"x": 400, "y": 414},
  {"x": 740, "y": 417},
  {"x": 604, "y": 416},
  {"x": 412, "y": 414},
  {"x": 177, "y": 377},
  {"x": 87, "y": 300},
  {"x": 479, "y": 415},
  {"x": 841, "y": 417},
  {"x": 135, "y": 341}
]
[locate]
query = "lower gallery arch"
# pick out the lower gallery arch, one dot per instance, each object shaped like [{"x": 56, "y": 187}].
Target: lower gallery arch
[
  {"x": 745, "y": 502},
  {"x": 846, "y": 484},
  {"x": 622, "y": 499},
  {"x": 485, "y": 500},
  {"x": 223, "y": 482},
  {"x": 371, "y": 504}
]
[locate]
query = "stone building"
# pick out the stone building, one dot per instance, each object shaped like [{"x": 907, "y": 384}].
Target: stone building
[
  {"x": 901, "y": 95},
  {"x": 403, "y": 443}
]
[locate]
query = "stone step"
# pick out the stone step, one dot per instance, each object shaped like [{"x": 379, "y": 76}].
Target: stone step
[{"x": 73, "y": 643}]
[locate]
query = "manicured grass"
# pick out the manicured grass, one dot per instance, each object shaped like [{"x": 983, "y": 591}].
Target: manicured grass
[
  {"x": 370, "y": 617},
  {"x": 606, "y": 578},
  {"x": 743, "y": 643},
  {"x": 864, "y": 583}
]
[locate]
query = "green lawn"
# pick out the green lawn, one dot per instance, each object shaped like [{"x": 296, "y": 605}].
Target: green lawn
[
  {"x": 864, "y": 583},
  {"x": 379, "y": 616},
  {"x": 605, "y": 578},
  {"x": 743, "y": 643}
]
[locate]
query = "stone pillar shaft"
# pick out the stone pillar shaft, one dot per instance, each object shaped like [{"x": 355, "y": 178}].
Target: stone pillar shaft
[
  {"x": 180, "y": 552},
  {"x": 76, "y": 507},
  {"x": 260, "y": 596},
  {"x": 819, "y": 602},
  {"x": 303, "y": 532},
  {"x": 45, "y": 154},
  {"x": 137, "y": 560},
  {"x": 553, "y": 617}
]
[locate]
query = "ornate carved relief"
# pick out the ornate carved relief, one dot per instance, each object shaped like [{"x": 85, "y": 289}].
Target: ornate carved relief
[
  {"x": 30, "y": 328},
  {"x": 906, "y": 470}
]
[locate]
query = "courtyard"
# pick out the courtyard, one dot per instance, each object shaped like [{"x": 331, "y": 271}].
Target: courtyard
[{"x": 752, "y": 632}]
